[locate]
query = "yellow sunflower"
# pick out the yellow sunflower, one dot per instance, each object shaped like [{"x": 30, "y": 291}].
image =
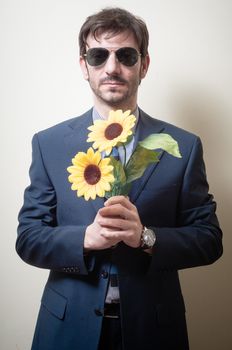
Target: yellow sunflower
[
  {"x": 90, "y": 175},
  {"x": 108, "y": 133}
]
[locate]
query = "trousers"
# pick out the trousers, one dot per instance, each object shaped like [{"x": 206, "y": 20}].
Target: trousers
[{"x": 111, "y": 333}]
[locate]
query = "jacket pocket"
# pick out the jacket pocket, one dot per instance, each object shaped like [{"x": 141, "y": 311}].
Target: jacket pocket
[{"x": 54, "y": 302}]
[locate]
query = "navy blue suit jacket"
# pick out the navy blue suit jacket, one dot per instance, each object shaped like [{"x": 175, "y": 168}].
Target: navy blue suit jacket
[{"x": 171, "y": 197}]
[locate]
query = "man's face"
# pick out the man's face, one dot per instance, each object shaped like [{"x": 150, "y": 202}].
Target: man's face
[{"x": 113, "y": 84}]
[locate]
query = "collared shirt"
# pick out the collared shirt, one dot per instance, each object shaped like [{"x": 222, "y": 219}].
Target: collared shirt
[{"x": 113, "y": 291}]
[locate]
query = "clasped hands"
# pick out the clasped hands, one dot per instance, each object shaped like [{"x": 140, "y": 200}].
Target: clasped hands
[{"x": 118, "y": 221}]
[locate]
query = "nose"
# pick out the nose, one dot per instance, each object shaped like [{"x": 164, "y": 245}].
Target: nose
[{"x": 112, "y": 65}]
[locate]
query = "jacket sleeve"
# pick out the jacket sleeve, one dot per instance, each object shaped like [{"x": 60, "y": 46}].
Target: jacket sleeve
[
  {"x": 197, "y": 239},
  {"x": 41, "y": 242}
]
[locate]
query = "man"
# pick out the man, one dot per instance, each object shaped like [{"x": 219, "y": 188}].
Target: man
[{"x": 113, "y": 282}]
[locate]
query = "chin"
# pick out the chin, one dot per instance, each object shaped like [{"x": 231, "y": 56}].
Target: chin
[{"x": 114, "y": 98}]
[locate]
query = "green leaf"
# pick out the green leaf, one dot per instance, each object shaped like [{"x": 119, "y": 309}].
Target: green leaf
[
  {"x": 118, "y": 189},
  {"x": 119, "y": 186},
  {"x": 139, "y": 161},
  {"x": 119, "y": 173},
  {"x": 162, "y": 141}
]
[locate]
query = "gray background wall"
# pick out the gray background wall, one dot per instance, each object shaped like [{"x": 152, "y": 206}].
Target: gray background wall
[{"x": 189, "y": 84}]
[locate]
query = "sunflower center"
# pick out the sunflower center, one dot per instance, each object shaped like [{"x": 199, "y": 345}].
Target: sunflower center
[
  {"x": 92, "y": 174},
  {"x": 113, "y": 130}
]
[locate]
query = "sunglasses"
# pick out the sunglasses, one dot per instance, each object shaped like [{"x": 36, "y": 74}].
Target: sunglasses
[{"x": 96, "y": 56}]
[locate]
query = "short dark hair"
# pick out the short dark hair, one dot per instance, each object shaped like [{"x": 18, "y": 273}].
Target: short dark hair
[{"x": 114, "y": 20}]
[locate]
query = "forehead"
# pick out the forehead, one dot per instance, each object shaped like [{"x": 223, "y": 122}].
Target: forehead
[{"x": 108, "y": 39}]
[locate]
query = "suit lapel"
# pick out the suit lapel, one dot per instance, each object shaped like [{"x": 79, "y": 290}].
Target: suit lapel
[
  {"x": 75, "y": 138},
  {"x": 75, "y": 141},
  {"x": 146, "y": 126}
]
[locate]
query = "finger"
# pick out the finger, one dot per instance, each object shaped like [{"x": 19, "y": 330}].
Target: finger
[
  {"x": 113, "y": 236},
  {"x": 124, "y": 201},
  {"x": 116, "y": 210},
  {"x": 114, "y": 223}
]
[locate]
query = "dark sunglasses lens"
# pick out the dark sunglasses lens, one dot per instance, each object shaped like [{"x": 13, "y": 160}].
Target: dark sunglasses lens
[
  {"x": 127, "y": 56},
  {"x": 96, "y": 56}
]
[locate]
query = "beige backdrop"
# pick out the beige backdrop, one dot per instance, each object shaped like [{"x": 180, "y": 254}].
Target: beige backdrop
[{"x": 189, "y": 84}]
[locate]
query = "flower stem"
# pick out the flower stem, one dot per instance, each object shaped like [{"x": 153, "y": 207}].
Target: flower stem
[{"x": 124, "y": 148}]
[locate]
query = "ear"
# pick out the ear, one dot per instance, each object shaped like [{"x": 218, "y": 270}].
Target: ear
[
  {"x": 84, "y": 68},
  {"x": 144, "y": 66}
]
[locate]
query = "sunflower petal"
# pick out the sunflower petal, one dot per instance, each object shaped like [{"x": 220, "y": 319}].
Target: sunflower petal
[{"x": 78, "y": 175}]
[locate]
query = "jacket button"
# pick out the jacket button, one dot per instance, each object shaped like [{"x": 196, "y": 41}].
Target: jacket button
[
  {"x": 98, "y": 312},
  {"x": 104, "y": 274}
]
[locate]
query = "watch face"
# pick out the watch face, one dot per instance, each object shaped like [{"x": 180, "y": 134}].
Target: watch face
[{"x": 148, "y": 238}]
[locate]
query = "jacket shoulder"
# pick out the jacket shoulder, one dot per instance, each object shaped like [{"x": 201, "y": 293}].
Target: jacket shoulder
[
  {"x": 64, "y": 127},
  {"x": 173, "y": 130}
]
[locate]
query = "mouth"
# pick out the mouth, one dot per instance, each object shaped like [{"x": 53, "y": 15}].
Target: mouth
[
  {"x": 113, "y": 86},
  {"x": 113, "y": 81}
]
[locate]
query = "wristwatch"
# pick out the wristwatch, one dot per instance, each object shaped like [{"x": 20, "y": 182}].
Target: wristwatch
[{"x": 148, "y": 238}]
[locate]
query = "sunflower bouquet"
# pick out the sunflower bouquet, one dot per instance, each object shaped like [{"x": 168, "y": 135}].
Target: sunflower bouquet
[{"x": 99, "y": 173}]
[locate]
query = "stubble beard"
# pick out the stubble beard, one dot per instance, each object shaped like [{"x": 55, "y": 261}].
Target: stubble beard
[{"x": 113, "y": 97}]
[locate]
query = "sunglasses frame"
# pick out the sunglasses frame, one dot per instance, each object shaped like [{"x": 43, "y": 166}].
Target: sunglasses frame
[{"x": 109, "y": 50}]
